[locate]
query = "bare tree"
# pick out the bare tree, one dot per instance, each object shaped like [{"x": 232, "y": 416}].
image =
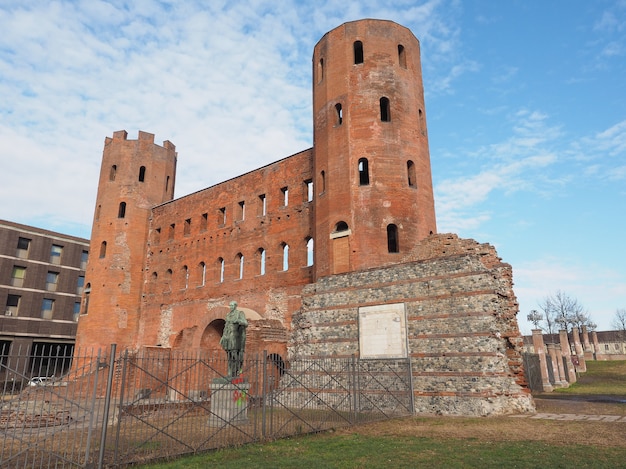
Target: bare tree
[
  {"x": 619, "y": 322},
  {"x": 561, "y": 311}
]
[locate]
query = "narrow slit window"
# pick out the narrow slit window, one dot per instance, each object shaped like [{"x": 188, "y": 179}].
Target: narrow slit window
[
  {"x": 187, "y": 227},
  {"x": 309, "y": 252},
  {"x": 385, "y": 111},
  {"x": 240, "y": 259},
  {"x": 392, "y": 238},
  {"x": 285, "y": 192},
  {"x": 401, "y": 56},
  {"x": 358, "y": 52},
  {"x": 172, "y": 230},
  {"x": 221, "y": 216},
  {"x": 121, "y": 213},
  {"x": 410, "y": 170},
  {"x": 167, "y": 184},
  {"x": 185, "y": 274},
  {"x": 242, "y": 210},
  {"x": 339, "y": 111},
  {"x": 309, "y": 190},
  {"x": 142, "y": 174},
  {"x": 262, "y": 260},
  {"x": 262, "y": 205},
  {"x": 203, "y": 221},
  {"x": 202, "y": 272},
  {"x": 103, "y": 249},
  {"x": 113, "y": 173},
  {"x": 364, "y": 173},
  {"x": 323, "y": 181},
  {"x": 220, "y": 262},
  {"x": 285, "y": 247},
  {"x": 421, "y": 122}
]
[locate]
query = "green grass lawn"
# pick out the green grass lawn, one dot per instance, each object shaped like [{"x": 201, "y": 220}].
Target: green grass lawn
[
  {"x": 424, "y": 442},
  {"x": 602, "y": 377},
  {"x": 358, "y": 451}
]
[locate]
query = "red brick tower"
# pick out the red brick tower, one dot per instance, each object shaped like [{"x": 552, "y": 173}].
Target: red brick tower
[
  {"x": 371, "y": 159},
  {"x": 135, "y": 176}
]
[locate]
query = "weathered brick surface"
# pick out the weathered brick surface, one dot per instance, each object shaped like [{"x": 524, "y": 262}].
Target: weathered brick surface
[{"x": 172, "y": 266}]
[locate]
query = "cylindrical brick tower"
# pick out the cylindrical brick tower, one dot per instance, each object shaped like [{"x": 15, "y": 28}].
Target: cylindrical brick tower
[
  {"x": 135, "y": 176},
  {"x": 374, "y": 196}
]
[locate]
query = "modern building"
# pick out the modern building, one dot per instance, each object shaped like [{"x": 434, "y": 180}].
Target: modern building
[{"x": 42, "y": 275}]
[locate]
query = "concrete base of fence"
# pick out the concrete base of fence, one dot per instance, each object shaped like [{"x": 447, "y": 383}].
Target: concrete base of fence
[{"x": 229, "y": 403}]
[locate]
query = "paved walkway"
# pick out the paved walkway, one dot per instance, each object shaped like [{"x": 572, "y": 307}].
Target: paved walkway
[{"x": 570, "y": 417}]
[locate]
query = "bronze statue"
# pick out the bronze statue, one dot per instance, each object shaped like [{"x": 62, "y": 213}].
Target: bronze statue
[{"x": 233, "y": 339}]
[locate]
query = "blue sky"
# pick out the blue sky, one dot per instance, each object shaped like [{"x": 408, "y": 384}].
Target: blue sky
[{"x": 525, "y": 101}]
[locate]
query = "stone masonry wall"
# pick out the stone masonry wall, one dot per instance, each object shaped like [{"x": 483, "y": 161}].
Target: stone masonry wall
[{"x": 464, "y": 342}]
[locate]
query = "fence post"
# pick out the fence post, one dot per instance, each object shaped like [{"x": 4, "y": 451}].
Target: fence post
[
  {"x": 264, "y": 393},
  {"x": 119, "y": 419},
  {"x": 94, "y": 393},
  {"x": 107, "y": 403}
]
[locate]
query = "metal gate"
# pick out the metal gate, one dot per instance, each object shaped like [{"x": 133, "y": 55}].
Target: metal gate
[{"x": 110, "y": 411}]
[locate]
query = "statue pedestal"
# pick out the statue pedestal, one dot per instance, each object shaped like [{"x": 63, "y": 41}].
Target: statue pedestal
[{"x": 229, "y": 403}]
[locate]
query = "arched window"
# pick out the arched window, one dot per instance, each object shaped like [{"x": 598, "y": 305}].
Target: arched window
[
  {"x": 339, "y": 120},
  {"x": 113, "y": 173},
  {"x": 121, "y": 213},
  {"x": 168, "y": 280},
  {"x": 401, "y": 56},
  {"x": 322, "y": 181},
  {"x": 385, "y": 111},
  {"x": 341, "y": 227},
  {"x": 285, "y": 247},
  {"x": 309, "y": 252},
  {"x": 262, "y": 259},
  {"x": 142, "y": 174},
  {"x": 410, "y": 171},
  {"x": 364, "y": 172},
  {"x": 358, "y": 52},
  {"x": 98, "y": 210},
  {"x": 220, "y": 263},
  {"x": 202, "y": 272},
  {"x": 392, "y": 238},
  {"x": 320, "y": 70},
  {"x": 103, "y": 249},
  {"x": 240, "y": 260},
  {"x": 421, "y": 122}
]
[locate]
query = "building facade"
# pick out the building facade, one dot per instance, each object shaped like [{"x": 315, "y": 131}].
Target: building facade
[
  {"x": 353, "y": 217},
  {"x": 42, "y": 275}
]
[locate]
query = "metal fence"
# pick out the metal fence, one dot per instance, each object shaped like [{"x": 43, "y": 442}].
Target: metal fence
[{"x": 109, "y": 410}]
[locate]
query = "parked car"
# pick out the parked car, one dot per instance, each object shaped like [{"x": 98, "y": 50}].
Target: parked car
[{"x": 40, "y": 381}]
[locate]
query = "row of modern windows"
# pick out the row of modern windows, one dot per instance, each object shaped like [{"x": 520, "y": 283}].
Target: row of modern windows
[
  {"x": 47, "y": 307},
  {"x": 385, "y": 114},
  {"x": 18, "y": 277},
  {"x": 141, "y": 177},
  {"x": 359, "y": 58},
  {"x": 56, "y": 252}
]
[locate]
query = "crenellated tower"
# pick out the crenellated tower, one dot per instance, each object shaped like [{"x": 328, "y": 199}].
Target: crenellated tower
[
  {"x": 135, "y": 176},
  {"x": 371, "y": 158}
]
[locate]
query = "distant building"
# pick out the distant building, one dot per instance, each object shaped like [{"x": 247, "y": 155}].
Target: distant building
[{"x": 42, "y": 275}]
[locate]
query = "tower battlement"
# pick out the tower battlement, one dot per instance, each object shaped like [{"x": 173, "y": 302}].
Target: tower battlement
[{"x": 142, "y": 136}]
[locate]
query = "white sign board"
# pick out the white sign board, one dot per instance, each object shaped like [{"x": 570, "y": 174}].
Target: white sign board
[{"x": 382, "y": 331}]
